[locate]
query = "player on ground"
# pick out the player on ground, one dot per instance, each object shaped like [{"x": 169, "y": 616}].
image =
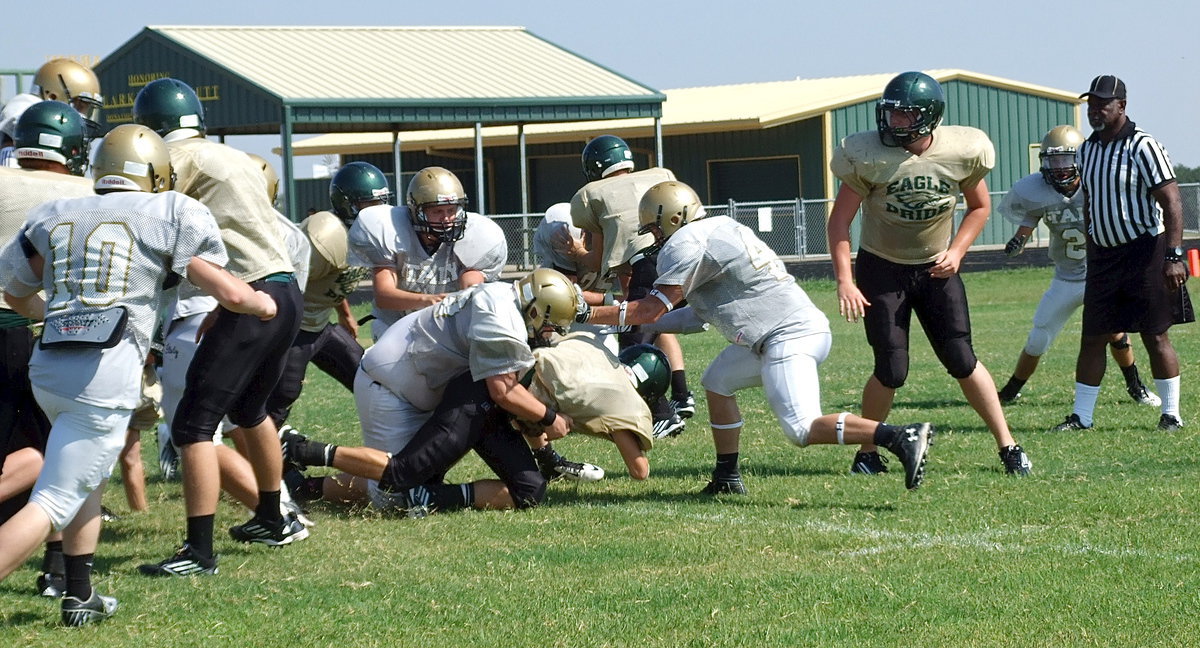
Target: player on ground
[
  {"x": 907, "y": 176},
  {"x": 1052, "y": 197},
  {"x": 439, "y": 384},
  {"x": 432, "y": 246},
  {"x": 240, "y": 358},
  {"x": 51, "y": 154},
  {"x": 101, "y": 261},
  {"x": 777, "y": 337}
]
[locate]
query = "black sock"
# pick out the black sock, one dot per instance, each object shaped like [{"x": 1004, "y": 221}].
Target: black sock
[
  {"x": 268, "y": 506},
  {"x": 1014, "y": 385},
  {"x": 546, "y": 455},
  {"x": 452, "y": 497},
  {"x": 311, "y": 489},
  {"x": 79, "y": 575},
  {"x": 312, "y": 453},
  {"x": 52, "y": 560},
  {"x": 727, "y": 467},
  {"x": 679, "y": 388},
  {"x": 661, "y": 409},
  {"x": 200, "y": 535},
  {"x": 1132, "y": 379},
  {"x": 886, "y": 435}
]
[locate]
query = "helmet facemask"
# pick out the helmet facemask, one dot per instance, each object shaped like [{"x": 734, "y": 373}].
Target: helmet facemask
[
  {"x": 1059, "y": 170},
  {"x": 549, "y": 302},
  {"x": 901, "y": 125},
  {"x": 444, "y": 229}
]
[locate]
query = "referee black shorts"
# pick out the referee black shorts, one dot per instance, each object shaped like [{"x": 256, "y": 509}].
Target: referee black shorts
[
  {"x": 237, "y": 366},
  {"x": 1125, "y": 290}
]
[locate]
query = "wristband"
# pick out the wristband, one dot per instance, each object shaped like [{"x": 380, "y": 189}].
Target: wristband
[
  {"x": 621, "y": 313},
  {"x": 662, "y": 298},
  {"x": 549, "y": 418}
]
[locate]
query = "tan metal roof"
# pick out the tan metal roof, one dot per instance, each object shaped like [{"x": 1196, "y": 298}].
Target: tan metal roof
[
  {"x": 435, "y": 63},
  {"x": 686, "y": 111}
]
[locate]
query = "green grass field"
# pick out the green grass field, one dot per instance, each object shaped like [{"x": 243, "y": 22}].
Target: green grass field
[{"x": 1100, "y": 547}]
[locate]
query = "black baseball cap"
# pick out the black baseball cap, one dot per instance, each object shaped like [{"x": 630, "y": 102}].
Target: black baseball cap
[{"x": 1105, "y": 86}]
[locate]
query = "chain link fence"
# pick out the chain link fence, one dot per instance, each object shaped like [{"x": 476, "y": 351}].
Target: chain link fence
[{"x": 795, "y": 229}]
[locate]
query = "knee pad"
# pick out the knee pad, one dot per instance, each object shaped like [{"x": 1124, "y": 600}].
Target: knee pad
[
  {"x": 1122, "y": 344},
  {"x": 1038, "y": 342},
  {"x": 958, "y": 357},
  {"x": 891, "y": 368}
]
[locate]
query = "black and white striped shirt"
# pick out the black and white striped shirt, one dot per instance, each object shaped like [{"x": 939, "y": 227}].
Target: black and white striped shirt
[{"x": 1118, "y": 177}]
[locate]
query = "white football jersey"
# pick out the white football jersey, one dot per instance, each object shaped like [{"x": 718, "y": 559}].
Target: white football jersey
[
  {"x": 735, "y": 282},
  {"x": 478, "y": 329},
  {"x": 382, "y": 237},
  {"x": 557, "y": 222},
  {"x": 1031, "y": 201},
  {"x": 102, "y": 252},
  {"x": 23, "y": 189}
]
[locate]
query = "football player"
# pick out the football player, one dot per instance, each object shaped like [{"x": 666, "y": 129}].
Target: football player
[
  {"x": 51, "y": 153},
  {"x": 73, "y": 83},
  {"x": 425, "y": 249},
  {"x": 907, "y": 182},
  {"x": 1052, "y": 197},
  {"x": 606, "y": 209},
  {"x": 777, "y": 337},
  {"x": 438, "y": 384},
  {"x": 240, "y": 358},
  {"x": 334, "y": 348},
  {"x": 101, "y": 261}
]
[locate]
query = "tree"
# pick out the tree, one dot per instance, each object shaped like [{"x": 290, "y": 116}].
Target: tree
[{"x": 1187, "y": 174}]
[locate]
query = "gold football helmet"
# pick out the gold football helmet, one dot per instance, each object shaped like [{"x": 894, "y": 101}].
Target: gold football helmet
[
  {"x": 70, "y": 82},
  {"x": 547, "y": 299},
  {"x": 1059, "y": 168},
  {"x": 132, "y": 158},
  {"x": 268, "y": 172},
  {"x": 669, "y": 205},
  {"x": 437, "y": 186}
]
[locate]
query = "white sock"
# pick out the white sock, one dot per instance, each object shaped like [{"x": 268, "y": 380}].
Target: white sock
[
  {"x": 1168, "y": 390},
  {"x": 1085, "y": 402}
]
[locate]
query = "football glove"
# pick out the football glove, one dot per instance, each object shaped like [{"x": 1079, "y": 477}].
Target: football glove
[{"x": 1015, "y": 245}]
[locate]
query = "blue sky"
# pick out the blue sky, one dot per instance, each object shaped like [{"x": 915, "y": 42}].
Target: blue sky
[{"x": 675, "y": 44}]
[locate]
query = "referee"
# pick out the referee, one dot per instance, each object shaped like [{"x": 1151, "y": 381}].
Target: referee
[{"x": 1135, "y": 270}]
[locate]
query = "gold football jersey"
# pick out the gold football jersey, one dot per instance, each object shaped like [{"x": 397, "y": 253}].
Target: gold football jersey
[
  {"x": 909, "y": 200},
  {"x": 610, "y": 206}
]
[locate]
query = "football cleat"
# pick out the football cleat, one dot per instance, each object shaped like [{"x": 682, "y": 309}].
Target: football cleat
[
  {"x": 416, "y": 502},
  {"x": 77, "y": 613},
  {"x": 1009, "y": 396},
  {"x": 1071, "y": 424},
  {"x": 668, "y": 427},
  {"x": 51, "y": 585},
  {"x": 1169, "y": 423},
  {"x": 274, "y": 533},
  {"x": 912, "y": 449},
  {"x": 580, "y": 472},
  {"x": 868, "y": 463},
  {"x": 1015, "y": 461},
  {"x": 685, "y": 406},
  {"x": 1143, "y": 396},
  {"x": 185, "y": 562},
  {"x": 725, "y": 486}
]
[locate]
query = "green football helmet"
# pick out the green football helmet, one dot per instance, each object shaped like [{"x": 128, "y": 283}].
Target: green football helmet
[
  {"x": 547, "y": 298},
  {"x": 54, "y": 131},
  {"x": 1058, "y": 167},
  {"x": 648, "y": 369},
  {"x": 604, "y": 156},
  {"x": 669, "y": 205},
  {"x": 918, "y": 95},
  {"x": 166, "y": 105},
  {"x": 354, "y": 184}
]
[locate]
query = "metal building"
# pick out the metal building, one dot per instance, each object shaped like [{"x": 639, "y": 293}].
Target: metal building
[{"x": 292, "y": 80}]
